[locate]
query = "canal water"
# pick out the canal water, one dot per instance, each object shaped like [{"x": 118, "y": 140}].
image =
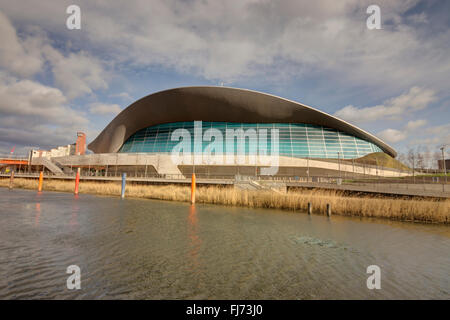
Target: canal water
[{"x": 145, "y": 249}]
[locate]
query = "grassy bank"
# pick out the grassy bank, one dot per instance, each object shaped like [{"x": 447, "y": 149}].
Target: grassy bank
[
  {"x": 397, "y": 209},
  {"x": 379, "y": 159}
]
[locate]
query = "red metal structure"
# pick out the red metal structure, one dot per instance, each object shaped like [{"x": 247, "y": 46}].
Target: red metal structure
[{"x": 13, "y": 161}]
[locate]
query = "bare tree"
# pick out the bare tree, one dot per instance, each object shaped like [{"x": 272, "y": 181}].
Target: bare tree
[
  {"x": 428, "y": 157},
  {"x": 411, "y": 158},
  {"x": 402, "y": 158},
  {"x": 420, "y": 158}
]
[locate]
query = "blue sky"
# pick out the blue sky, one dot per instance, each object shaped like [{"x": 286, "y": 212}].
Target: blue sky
[{"x": 392, "y": 82}]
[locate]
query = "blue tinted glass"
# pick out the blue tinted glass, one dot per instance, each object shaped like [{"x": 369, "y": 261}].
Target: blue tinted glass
[{"x": 295, "y": 140}]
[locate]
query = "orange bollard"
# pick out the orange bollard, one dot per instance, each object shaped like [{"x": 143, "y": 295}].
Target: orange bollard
[
  {"x": 77, "y": 181},
  {"x": 11, "y": 180},
  {"x": 41, "y": 179},
  {"x": 193, "y": 189}
]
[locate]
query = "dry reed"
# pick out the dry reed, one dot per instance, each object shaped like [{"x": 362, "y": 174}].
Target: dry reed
[{"x": 424, "y": 210}]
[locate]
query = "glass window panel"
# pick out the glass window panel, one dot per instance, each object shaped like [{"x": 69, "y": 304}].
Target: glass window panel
[{"x": 298, "y": 140}]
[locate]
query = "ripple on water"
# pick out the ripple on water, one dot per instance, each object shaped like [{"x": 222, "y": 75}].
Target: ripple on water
[{"x": 147, "y": 249}]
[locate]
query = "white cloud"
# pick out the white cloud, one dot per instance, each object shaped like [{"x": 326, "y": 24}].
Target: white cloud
[
  {"x": 77, "y": 74},
  {"x": 234, "y": 40},
  {"x": 32, "y": 113},
  {"x": 392, "y": 135},
  {"x": 229, "y": 41},
  {"x": 440, "y": 134},
  {"x": 404, "y": 105},
  {"x": 17, "y": 56},
  {"x": 415, "y": 124},
  {"x": 123, "y": 95},
  {"x": 103, "y": 108},
  {"x": 418, "y": 18},
  {"x": 432, "y": 136}
]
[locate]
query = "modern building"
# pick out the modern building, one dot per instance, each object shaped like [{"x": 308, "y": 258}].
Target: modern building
[
  {"x": 147, "y": 124},
  {"x": 441, "y": 165},
  {"x": 307, "y": 138},
  {"x": 225, "y": 132}
]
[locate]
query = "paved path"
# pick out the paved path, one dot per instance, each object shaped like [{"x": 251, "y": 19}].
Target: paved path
[{"x": 407, "y": 189}]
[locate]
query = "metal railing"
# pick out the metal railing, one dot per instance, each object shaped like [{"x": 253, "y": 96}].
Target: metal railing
[
  {"x": 92, "y": 170},
  {"x": 381, "y": 185}
]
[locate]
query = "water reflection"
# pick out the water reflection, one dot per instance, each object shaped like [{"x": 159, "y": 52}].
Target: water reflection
[
  {"x": 194, "y": 240},
  {"x": 37, "y": 214},
  {"x": 145, "y": 249},
  {"x": 74, "y": 216}
]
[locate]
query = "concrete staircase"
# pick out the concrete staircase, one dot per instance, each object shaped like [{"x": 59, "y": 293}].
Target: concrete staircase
[
  {"x": 247, "y": 183},
  {"x": 275, "y": 186},
  {"x": 49, "y": 164}
]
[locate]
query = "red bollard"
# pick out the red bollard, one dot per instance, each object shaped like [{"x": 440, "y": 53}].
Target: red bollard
[
  {"x": 77, "y": 181},
  {"x": 193, "y": 189}
]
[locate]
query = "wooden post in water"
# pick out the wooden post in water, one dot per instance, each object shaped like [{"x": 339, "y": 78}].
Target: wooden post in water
[
  {"x": 309, "y": 208},
  {"x": 124, "y": 181},
  {"x": 328, "y": 209},
  {"x": 193, "y": 189},
  {"x": 11, "y": 180},
  {"x": 77, "y": 181},
  {"x": 41, "y": 180}
]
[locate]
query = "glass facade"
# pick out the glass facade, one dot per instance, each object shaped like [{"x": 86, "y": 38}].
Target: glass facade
[{"x": 295, "y": 139}]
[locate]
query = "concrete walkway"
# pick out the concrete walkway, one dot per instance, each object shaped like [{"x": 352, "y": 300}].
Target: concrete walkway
[{"x": 405, "y": 189}]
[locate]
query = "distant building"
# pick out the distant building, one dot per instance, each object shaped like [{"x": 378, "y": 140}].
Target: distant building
[
  {"x": 55, "y": 152},
  {"x": 441, "y": 164},
  {"x": 77, "y": 148},
  {"x": 80, "y": 145}
]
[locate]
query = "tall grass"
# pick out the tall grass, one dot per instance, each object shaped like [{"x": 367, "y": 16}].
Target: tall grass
[{"x": 424, "y": 210}]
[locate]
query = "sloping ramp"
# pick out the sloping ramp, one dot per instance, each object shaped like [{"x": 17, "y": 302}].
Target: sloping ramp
[
  {"x": 50, "y": 165},
  {"x": 250, "y": 184}
]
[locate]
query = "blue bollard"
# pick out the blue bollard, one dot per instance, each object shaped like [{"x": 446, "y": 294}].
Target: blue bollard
[{"x": 124, "y": 180}]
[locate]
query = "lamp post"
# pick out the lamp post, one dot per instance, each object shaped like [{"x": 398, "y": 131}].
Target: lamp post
[
  {"x": 339, "y": 163},
  {"x": 307, "y": 169}
]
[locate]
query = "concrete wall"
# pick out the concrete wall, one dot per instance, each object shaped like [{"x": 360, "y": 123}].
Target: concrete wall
[{"x": 163, "y": 164}]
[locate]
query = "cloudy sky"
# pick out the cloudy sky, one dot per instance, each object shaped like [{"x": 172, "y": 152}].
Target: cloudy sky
[{"x": 392, "y": 82}]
